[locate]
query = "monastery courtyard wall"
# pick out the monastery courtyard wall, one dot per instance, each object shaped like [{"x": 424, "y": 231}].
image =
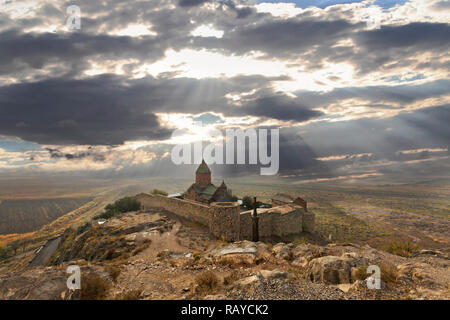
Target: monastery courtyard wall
[{"x": 225, "y": 220}]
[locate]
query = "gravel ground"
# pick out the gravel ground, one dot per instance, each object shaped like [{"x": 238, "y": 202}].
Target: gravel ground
[{"x": 279, "y": 289}]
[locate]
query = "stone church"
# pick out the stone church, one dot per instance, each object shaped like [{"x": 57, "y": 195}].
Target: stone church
[{"x": 204, "y": 191}]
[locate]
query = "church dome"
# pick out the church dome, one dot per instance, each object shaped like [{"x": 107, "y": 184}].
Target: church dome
[{"x": 203, "y": 168}]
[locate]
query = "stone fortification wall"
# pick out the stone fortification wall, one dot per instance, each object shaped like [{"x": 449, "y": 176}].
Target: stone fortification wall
[
  {"x": 309, "y": 222},
  {"x": 278, "y": 221},
  {"x": 225, "y": 220},
  {"x": 185, "y": 208}
]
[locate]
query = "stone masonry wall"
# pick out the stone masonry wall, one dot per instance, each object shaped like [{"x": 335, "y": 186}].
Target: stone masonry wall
[
  {"x": 309, "y": 222},
  {"x": 278, "y": 221},
  {"x": 185, "y": 208},
  {"x": 225, "y": 220}
]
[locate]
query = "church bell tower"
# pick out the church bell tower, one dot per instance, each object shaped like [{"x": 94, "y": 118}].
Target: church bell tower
[{"x": 203, "y": 175}]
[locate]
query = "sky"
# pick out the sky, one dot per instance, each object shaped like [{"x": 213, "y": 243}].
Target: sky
[{"x": 358, "y": 89}]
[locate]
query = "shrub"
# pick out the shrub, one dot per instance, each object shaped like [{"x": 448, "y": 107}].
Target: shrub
[
  {"x": 129, "y": 295},
  {"x": 123, "y": 205},
  {"x": 206, "y": 282},
  {"x": 247, "y": 202},
  {"x": 126, "y": 204},
  {"x": 3, "y": 251},
  {"x": 389, "y": 273},
  {"x": 106, "y": 215},
  {"x": 14, "y": 245},
  {"x": 196, "y": 255},
  {"x": 404, "y": 249},
  {"x": 83, "y": 228},
  {"x": 299, "y": 241},
  {"x": 93, "y": 287},
  {"x": 160, "y": 192},
  {"x": 361, "y": 274}
]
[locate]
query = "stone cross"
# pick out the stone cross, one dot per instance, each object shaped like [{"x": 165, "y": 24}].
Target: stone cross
[{"x": 255, "y": 218}]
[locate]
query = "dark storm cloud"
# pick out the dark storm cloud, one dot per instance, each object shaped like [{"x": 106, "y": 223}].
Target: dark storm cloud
[
  {"x": 305, "y": 36},
  {"x": 369, "y": 145},
  {"x": 280, "y": 107},
  {"x": 425, "y": 128},
  {"x": 35, "y": 50},
  {"x": 62, "y": 107},
  {"x": 300, "y": 148},
  {"x": 95, "y": 111},
  {"x": 400, "y": 94},
  {"x": 418, "y": 35},
  {"x": 191, "y": 3},
  {"x": 280, "y": 38},
  {"x": 313, "y": 39},
  {"x": 112, "y": 109},
  {"x": 398, "y": 46}
]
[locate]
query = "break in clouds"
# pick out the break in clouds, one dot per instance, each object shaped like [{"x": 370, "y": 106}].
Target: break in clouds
[{"x": 357, "y": 90}]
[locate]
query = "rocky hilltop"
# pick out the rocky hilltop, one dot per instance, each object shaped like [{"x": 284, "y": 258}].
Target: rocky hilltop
[{"x": 156, "y": 255}]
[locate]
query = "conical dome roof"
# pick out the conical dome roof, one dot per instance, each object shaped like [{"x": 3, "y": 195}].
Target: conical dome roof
[{"x": 203, "y": 168}]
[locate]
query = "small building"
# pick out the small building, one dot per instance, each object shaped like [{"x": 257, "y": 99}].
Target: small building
[
  {"x": 302, "y": 203},
  {"x": 281, "y": 199},
  {"x": 204, "y": 191}
]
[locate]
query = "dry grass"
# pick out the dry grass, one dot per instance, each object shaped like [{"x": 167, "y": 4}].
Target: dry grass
[
  {"x": 207, "y": 282},
  {"x": 93, "y": 287},
  {"x": 388, "y": 272},
  {"x": 404, "y": 249},
  {"x": 299, "y": 241},
  {"x": 361, "y": 274},
  {"x": 129, "y": 295}
]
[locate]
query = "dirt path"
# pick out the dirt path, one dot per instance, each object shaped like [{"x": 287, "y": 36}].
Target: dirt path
[{"x": 45, "y": 252}]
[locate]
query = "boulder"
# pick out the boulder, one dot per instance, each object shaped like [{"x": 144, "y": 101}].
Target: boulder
[
  {"x": 331, "y": 269},
  {"x": 242, "y": 252},
  {"x": 274, "y": 274},
  {"x": 302, "y": 251},
  {"x": 237, "y": 259},
  {"x": 281, "y": 251},
  {"x": 435, "y": 253},
  {"x": 418, "y": 272},
  {"x": 301, "y": 262},
  {"x": 264, "y": 275}
]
